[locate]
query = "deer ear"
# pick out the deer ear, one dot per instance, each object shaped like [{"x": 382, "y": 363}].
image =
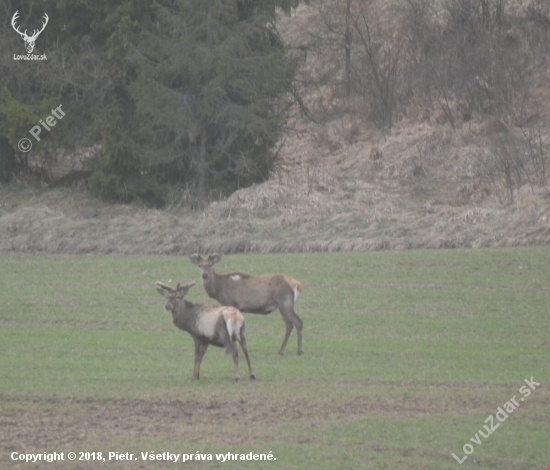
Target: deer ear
[
  {"x": 161, "y": 292},
  {"x": 214, "y": 258},
  {"x": 195, "y": 258}
]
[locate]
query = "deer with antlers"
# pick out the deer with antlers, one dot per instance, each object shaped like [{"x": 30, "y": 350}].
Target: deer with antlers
[
  {"x": 29, "y": 40},
  {"x": 253, "y": 294},
  {"x": 207, "y": 324}
]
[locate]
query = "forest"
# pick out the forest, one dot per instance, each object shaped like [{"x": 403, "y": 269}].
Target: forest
[{"x": 193, "y": 96}]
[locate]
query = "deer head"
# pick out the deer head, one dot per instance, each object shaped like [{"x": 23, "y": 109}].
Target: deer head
[
  {"x": 205, "y": 265},
  {"x": 29, "y": 40},
  {"x": 173, "y": 297}
]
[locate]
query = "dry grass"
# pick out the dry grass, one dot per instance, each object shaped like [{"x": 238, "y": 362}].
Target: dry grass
[
  {"x": 366, "y": 196},
  {"x": 355, "y": 204}
]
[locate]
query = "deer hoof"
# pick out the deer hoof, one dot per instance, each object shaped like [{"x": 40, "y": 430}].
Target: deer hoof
[{"x": 252, "y": 377}]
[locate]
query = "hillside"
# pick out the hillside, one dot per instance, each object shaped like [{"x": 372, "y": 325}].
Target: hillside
[{"x": 341, "y": 184}]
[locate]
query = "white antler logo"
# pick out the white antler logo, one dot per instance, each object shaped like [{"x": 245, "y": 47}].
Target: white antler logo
[{"x": 29, "y": 40}]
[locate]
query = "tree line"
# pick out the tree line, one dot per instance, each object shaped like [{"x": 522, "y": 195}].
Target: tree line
[{"x": 194, "y": 95}]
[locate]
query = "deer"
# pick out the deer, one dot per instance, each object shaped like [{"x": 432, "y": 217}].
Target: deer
[
  {"x": 29, "y": 40},
  {"x": 208, "y": 325},
  {"x": 253, "y": 294}
]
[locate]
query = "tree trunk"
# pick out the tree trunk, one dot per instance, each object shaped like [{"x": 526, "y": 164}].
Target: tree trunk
[
  {"x": 201, "y": 164},
  {"x": 348, "y": 37}
]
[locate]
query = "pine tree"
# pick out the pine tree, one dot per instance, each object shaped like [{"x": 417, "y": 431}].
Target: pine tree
[
  {"x": 208, "y": 79},
  {"x": 175, "y": 91}
]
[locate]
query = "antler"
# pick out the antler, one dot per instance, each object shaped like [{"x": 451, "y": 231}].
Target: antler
[
  {"x": 13, "y": 20},
  {"x": 44, "y": 23},
  {"x": 161, "y": 285},
  {"x": 36, "y": 31},
  {"x": 179, "y": 288}
]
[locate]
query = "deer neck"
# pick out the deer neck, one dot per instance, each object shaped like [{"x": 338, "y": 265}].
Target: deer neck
[
  {"x": 212, "y": 285},
  {"x": 183, "y": 314}
]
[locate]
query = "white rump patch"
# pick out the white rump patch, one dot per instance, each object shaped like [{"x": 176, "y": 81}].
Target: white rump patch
[
  {"x": 296, "y": 294},
  {"x": 234, "y": 329},
  {"x": 235, "y": 277}
]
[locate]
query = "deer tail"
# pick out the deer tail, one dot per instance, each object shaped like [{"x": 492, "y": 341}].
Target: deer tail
[{"x": 234, "y": 321}]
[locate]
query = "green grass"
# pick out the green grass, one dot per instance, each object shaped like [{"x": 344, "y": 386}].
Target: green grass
[{"x": 405, "y": 356}]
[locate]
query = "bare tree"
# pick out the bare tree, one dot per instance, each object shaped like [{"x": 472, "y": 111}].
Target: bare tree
[{"x": 379, "y": 59}]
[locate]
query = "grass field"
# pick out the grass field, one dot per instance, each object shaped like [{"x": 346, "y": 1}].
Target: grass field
[{"x": 406, "y": 354}]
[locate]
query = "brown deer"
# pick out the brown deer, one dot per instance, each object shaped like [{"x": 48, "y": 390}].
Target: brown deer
[
  {"x": 253, "y": 294},
  {"x": 207, "y": 324}
]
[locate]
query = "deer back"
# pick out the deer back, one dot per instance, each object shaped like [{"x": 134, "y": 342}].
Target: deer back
[
  {"x": 207, "y": 321},
  {"x": 255, "y": 294}
]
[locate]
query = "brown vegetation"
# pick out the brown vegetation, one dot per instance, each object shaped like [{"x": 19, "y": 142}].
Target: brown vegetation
[{"x": 446, "y": 160}]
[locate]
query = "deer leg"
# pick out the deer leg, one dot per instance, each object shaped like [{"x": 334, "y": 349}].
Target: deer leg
[
  {"x": 289, "y": 325},
  {"x": 231, "y": 348},
  {"x": 242, "y": 342},
  {"x": 197, "y": 360},
  {"x": 298, "y": 323},
  {"x": 291, "y": 320},
  {"x": 200, "y": 349}
]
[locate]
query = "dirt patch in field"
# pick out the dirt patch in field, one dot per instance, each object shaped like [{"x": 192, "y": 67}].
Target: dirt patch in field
[
  {"x": 64, "y": 425},
  {"x": 31, "y": 423},
  {"x": 39, "y": 424}
]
